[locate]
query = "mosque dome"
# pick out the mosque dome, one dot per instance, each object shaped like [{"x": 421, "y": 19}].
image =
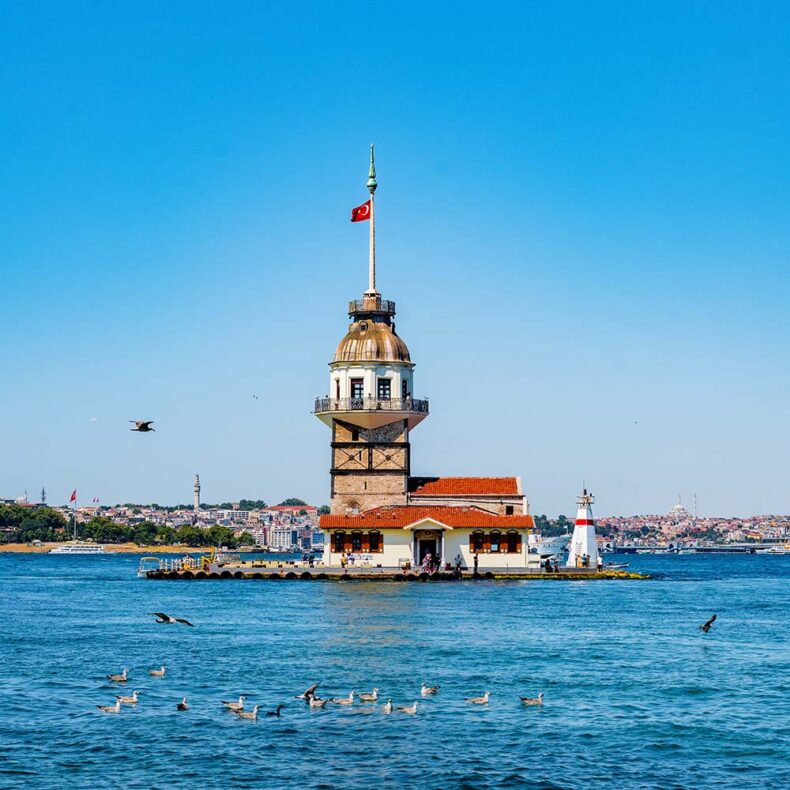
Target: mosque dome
[{"x": 371, "y": 341}]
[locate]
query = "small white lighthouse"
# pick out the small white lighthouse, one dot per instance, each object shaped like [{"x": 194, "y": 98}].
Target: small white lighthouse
[
  {"x": 196, "y": 505},
  {"x": 583, "y": 551}
]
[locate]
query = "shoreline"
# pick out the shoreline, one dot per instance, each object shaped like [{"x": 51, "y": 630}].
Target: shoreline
[{"x": 110, "y": 548}]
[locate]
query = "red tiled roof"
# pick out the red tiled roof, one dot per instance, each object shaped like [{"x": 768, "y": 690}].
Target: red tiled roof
[
  {"x": 464, "y": 486},
  {"x": 394, "y": 516}
]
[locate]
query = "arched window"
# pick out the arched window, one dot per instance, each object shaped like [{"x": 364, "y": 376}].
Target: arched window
[
  {"x": 376, "y": 543},
  {"x": 513, "y": 542},
  {"x": 476, "y": 541},
  {"x": 496, "y": 541},
  {"x": 356, "y": 541},
  {"x": 338, "y": 542}
]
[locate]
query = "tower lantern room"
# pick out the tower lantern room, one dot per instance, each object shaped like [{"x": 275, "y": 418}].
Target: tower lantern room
[{"x": 370, "y": 407}]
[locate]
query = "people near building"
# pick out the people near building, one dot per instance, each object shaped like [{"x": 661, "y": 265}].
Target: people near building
[
  {"x": 343, "y": 560},
  {"x": 477, "y": 562}
]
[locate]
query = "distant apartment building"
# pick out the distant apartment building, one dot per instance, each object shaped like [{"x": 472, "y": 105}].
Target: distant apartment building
[{"x": 283, "y": 538}]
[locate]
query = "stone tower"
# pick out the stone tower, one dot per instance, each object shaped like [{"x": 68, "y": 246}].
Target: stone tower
[
  {"x": 370, "y": 407},
  {"x": 196, "y": 503}
]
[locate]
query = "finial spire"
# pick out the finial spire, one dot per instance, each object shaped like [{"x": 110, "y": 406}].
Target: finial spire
[{"x": 372, "y": 184}]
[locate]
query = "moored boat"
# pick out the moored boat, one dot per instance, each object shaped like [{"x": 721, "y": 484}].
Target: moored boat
[{"x": 79, "y": 547}]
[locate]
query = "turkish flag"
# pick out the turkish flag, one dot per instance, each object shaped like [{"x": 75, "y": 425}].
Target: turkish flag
[
  {"x": 361, "y": 212},
  {"x": 73, "y": 496}
]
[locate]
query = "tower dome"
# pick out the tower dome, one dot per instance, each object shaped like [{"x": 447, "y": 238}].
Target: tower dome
[{"x": 371, "y": 341}]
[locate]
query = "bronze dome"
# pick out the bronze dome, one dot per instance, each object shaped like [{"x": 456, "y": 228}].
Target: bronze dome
[{"x": 371, "y": 341}]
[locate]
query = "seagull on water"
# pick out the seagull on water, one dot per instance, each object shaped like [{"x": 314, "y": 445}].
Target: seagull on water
[
  {"x": 349, "y": 700},
  {"x": 244, "y": 714},
  {"x": 161, "y": 617},
  {"x": 533, "y": 700},
  {"x": 309, "y": 694},
  {"x": 408, "y": 708},
  {"x": 158, "y": 673},
  {"x": 235, "y": 705},
  {"x": 183, "y": 704},
  {"x": 706, "y": 626},
  {"x": 110, "y": 708},
  {"x": 387, "y": 707},
  {"x": 119, "y": 678},
  {"x": 372, "y": 697},
  {"x": 128, "y": 700},
  {"x": 142, "y": 426},
  {"x": 317, "y": 702},
  {"x": 479, "y": 700},
  {"x": 426, "y": 690},
  {"x": 275, "y": 712}
]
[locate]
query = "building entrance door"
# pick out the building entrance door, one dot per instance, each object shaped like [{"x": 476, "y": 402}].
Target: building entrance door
[{"x": 427, "y": 546}]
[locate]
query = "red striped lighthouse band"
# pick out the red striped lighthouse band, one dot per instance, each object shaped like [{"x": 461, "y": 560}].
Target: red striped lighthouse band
[
  {"x": 361, "y": 213},
  {"x": 585, "y": 522}
]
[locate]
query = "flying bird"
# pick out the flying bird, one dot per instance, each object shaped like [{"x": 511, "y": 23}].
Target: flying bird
[
  {"x": 307, "y": 695},
  {"x": 142, "y": 426},
  {"x": 183, "y": 704},
  {"x": 705, "y": 627},
  {"x": 275, "y": 712},
  {"x": 533, "y": 700},
  {"x": 161, "y": 617}
]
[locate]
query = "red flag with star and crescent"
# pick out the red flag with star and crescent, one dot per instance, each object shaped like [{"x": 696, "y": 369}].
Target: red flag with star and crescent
[
  {"x": 361, "y": 213},
  {"x": 73, "y": 496}
]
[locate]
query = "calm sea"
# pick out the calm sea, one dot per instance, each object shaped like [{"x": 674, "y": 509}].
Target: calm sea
[{"x": 635, "y": 695}]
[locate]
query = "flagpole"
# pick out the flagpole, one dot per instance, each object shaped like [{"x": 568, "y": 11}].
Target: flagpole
[{"x": 372, "y": 264}]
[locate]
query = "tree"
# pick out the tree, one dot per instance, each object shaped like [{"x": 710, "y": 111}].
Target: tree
[
  {"x": 323, "y": 510},
  {"x": 24, "y": 524},
  {"x": 251, "y": 504},
  {"x": 245, "y": 539},
  {"x": 293, "y": 502}
]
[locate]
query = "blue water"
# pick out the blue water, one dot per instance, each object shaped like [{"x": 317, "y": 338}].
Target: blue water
[{"x": 635, "y": 695}]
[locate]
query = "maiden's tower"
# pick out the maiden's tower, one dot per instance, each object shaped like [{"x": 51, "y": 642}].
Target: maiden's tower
[{"x": 380, "y": 514}]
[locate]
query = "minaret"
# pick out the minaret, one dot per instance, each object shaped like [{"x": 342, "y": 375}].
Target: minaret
[
  {"x": 196, "y": 505},
  {"x": 370, "y": 407},
  {"x": 583, "y": 543}
]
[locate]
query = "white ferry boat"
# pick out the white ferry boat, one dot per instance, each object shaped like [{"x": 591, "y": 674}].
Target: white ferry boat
[
  {"x": 548, "y": 546},
  {"x": 79, "y": 547}
]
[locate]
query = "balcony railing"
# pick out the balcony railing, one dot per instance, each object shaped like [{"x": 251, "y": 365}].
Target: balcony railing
[
  {"x": 371, "y": 404},
  {"x": 376, "y": 306}
]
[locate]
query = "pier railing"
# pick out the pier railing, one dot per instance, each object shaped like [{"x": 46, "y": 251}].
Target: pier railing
[{"x": 419, "y": 405}]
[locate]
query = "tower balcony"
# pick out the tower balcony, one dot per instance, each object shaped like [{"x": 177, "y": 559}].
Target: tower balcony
[
  {"x": 372, "y": 306},
  {"x": 371, "y": 412}
]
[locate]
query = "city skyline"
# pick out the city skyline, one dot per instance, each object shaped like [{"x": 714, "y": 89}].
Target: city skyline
[{"x": 589, "y": 267}]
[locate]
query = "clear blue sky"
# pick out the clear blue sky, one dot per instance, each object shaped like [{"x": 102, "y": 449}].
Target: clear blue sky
[{"x": 582, "y": 215}]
